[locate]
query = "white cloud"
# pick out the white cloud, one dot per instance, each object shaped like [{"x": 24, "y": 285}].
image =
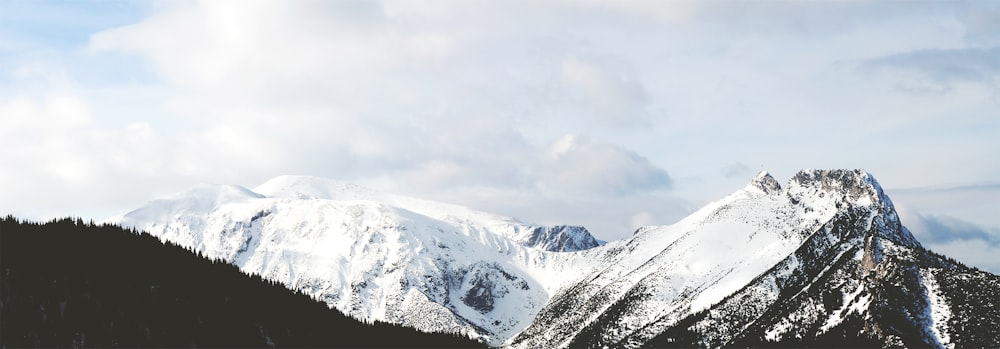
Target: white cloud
[
  {"x": 642, "y": 219},
  {"x": 65, "y": 162},
  {"x": 578, "y": 166},
  {"x": 608, "y": 218},
  {"x": 471, "y": 101},
  {"x": 375, "y": 94},
  {"x": 607, "y": 91}
]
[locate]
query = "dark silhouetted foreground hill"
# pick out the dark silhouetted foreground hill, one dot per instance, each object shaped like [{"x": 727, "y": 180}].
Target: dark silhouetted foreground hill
[{"x": 67, "y": 283}]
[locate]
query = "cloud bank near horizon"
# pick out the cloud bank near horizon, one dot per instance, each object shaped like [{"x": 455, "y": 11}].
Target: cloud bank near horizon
[{"x": 608, "y": 114}]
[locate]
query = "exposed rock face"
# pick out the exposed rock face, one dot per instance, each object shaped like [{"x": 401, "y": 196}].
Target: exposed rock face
[
  {"x": 560, "y": 238},
  {"x": 765, "y": 183}
]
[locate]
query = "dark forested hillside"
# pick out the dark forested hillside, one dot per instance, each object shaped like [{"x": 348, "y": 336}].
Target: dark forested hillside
[{"x": 67, "y": 283}]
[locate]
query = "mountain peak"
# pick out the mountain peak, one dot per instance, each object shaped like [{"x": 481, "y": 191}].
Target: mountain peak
[
  {"x": 560, "y": 238},
  {"x": 844, "y": 176},
  {"x": 853, "y": 188},
  {"x": 853, "y": 185},
  {"x": 764, "y": 183}
]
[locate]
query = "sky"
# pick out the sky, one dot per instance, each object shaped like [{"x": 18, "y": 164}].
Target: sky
[{"x": 607, "y": 114}]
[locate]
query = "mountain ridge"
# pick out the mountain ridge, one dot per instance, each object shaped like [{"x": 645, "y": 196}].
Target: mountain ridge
[
  {"x": 449, "y": 266},
  {"x": 446, "y": 268}
]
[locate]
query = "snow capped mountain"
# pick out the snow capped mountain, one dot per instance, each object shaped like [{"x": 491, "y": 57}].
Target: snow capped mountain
[
  {"x": 663, "y": 274},
  {"x": 824, "y": 258},
  {"x": 373, "y": 255},
  {"x": 823, "y": 262}
]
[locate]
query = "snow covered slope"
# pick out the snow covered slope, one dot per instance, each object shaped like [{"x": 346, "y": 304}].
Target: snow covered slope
[
  {"x": 823, "y": 258},
  {"x": 433, "y": 266},
  {"x": 823, "y": 262},
  {"x": 663, "y": 274}
]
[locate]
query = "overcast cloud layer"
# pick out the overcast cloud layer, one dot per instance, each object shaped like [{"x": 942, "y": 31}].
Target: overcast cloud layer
[{"x": 608, "y": 114}]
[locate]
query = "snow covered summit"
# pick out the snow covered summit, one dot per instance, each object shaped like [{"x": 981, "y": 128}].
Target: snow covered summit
[{"x": 374, "y": 255}]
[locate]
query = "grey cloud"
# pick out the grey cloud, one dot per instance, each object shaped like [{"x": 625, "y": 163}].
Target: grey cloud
[
  {"x": 579, "y": 166},
  {"x": 810, "y": 19},
  {"x": 936, "y": 229},
  {"x": 953, "y": 189},
  {"x": 975, "y": 203},
  {"x": 942, "y": 67},
  {"x": 973, "y": 244},
  {"x": 982, "y": 22}
]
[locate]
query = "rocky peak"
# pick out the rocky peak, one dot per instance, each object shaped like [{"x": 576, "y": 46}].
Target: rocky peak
[
  {"x": 560, "y": 238},
  {"x": 764, "y": 183},
  {"x": 850, "y": 185},
  {"x": 856, "y": 194}
]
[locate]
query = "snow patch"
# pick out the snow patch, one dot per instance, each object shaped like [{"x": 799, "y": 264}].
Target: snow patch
[
  {"x": 851, "y": 304},
  {"x": 940, "y": 312}
]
